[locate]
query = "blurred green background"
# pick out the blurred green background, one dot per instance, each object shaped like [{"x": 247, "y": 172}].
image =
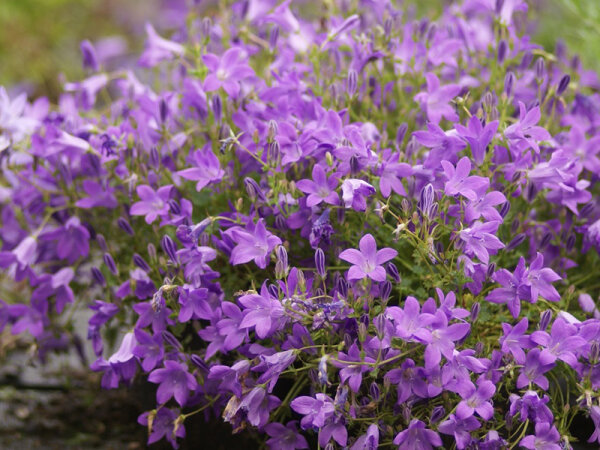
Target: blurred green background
[{"x": 39, "y": 39}]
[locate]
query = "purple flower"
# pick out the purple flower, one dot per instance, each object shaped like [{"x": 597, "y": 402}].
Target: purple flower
[
  {"x": 409, "y": 323},
  {"x": 369, "y": 440},
  {"x": 316, "y": 410},
  {"x": 391, "y": 172},
  {"x": 285, "y": 437},
  {"x": 149, "y": 349},
  {"x": 335, "y": 430},
  {"x": 227, "y": 71},
  {"x": 478, "y": 401},
  {"x": 479, "y": 239},
  {"x": 158, "y": 49},
  {"x": 442, "y": 339},
  {"x": 163, "y": 424},
  {"x": 322, "y": 189},
  {"x": 595, "y": 416},
  {"x": 152, "y": 204},
  {"x": 536, "y": 365},
  {"x": 484, "y": 206},
  {"x": 515, "y": 340},
  {"x": 368, "y": 262},
  {"x": 174, "y": 382},
  {"x": 514, "y": 288},
  {"x": 253, "y": 243},
  {"x": 459, "y": 181},
  {"x": 258, "y": 405},
  {"x": 352, "y": 373},
  {"x": 96, "y": 196},
  {"x": 354, "y": 193},
  {"x": 230, "y": 326},
  {"x": 409, "y": 379},
  {"x": 540, "y": 279},
  {"x": 531, "y": 407},
  {"x": 478, "y": 136},
  {"x": 562, "y": 342},
  {"x": 460, "y": 429},
  {"x": 436, "y": 100},
  {"x": 262, "y": 312},
  {"x": 545, "y": 438},
  {"x": 525, "y": 133},
  {"x": 72, "y": 240},
  {"x": 417, "y": 436},
  {"x": 194, "y": 304},
  {"x": 207, "y": 169}
]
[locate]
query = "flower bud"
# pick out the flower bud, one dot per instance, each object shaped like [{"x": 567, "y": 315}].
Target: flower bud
[
  {"x": 540, "y": 69},
  {"x": 505, "y": 209},
  {"x": 205, "y": 27},
  {"x": 320, "y": 262},
  {"x": 545, "y": 318},
  {"x": 154, "y": 158},
  {"x": 571, "y": 242},
  {"x": 386, "y": 290},
  {"x": 273, "y": 130},
  {"x": 393, "y": 271},
  {"x": 253, "y": 189},
  {"x": 388, "y": 26},
  {"x": 217, "y": 107},
  {"x": 273, "y": 37},
  {"x": 545, "y": 240},
  {"x": 98, "y": 276},
  {"x": 151, "y": 251},
  {"x": 110, "y": 263},
  {"x": 141, "y": 262},
  {"x": 197, "y": 361},
  {"x": 174, "y": 206},
  {"x": 594, "y": 353},
  {"x": 514, "y": 226},
  {"x": 426, "y": 201},
  {"x": 322, "y": 377},
  {"x": 475, "y": 309},
  {"x": 586, "y": 210},
  {"x": 169, "y": 248},
  {"x": 124, "y": 225},
  {"x": 273, "y": 289},
  {"x": 490, "y": 270},
  {"x": 516, "y": 241},
  {"x": 509, "y": 83},
  {"x": 89, "y": 56},
  {"x": 352, "y": 82},
  {"x": 502, "y": 48},
  {"x": 374, "y": 391},
  {"x": 478, "y": 348},
  {"x": 342, "y": 287},
  {"x": 379, "y": 323},
  {"x": 437, "y": 414},
  {"x": 401, "y": 133},
  {"x": 354, "y": 165},
  {"x": 167, "y": 336},
  {"x": 586, "y": 303},
  {"x": 563, "y": 84},
  {"x": 101, "y": 242}
]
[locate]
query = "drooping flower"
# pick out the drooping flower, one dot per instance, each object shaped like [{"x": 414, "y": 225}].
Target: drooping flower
[{"x": 368, "y": 261}]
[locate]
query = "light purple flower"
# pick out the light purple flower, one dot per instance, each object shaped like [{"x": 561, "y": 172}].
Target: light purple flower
[
  {"x": 316, "y": 410},
  {"x": 526, "y": 133},
  {"x": 158, "y": 49},
  {"x": 285, "y": 437},
  {"x": 436, "y": 99},
  {"x": 478, "y": 136},
  {"x": 262, "y": 312},
  {"x": 417, "y": 436},
  {"x": 536, "y": 365},
  {"x": 368, "y": 261},
  {"x": 477, "y": 401},
  {"x": 226, "y": 71},
  {"x": 546, "y": 438},
  {"x": 207, "y": 169},
  {"x": 152, "y": 204},
  {"x": 459, "y": 181},
  {"x": 253, "y": 243},
  {"x": 369, "y": 440},
  {"x": 320, "y": 188},
  {"x": 480, "y": 239},
  {"x": 174, "y": 382}
]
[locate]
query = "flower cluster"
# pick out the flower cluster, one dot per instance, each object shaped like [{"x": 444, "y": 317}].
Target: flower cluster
[{"x": 352, "y": 229}]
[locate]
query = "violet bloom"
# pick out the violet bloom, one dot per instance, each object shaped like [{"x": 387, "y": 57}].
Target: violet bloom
[
  {"x": 525, "y": 133},
  {"x": 258, "y": 405},
  {"x": 315, "y": 410},
  {"x": 354, "y": 193},
  {"x": 531, "y": 407},
  {"x": 352, "y": 373},
  {"x": 536, "y": 365},
  {"x": 152, "y": 204},
  {"x": 409, "y": 379},
  {"x": 207, "y": 169},
  {"x": 417, "y": 436},
  {"x": 174, "y": 382},
  {"x": 368, "y": 262},
  {"x": 262, "y": 312},
  {"x": 369, "y": 440},
  {"x": 514, "y": 340},
  {"x": 164, "y": 424},
  {"x": 460, "y": 429},
  {"x": 227, "y": 71},
  {"x": 546, "y": 438},
  {"x": 459, "y": 181},
  {"x": 478, "y": 401},
  {"x": 149, "y": 349},
  {"x": 561, "y": 343},
  {"x": 595, "y": 416},
  {"x": 436, "y": 100},
  {"x": 391, "y": 174},
  {"x": 97, "y": 195},
  {"x": 478, "y": 136},
  {"x": 253, "y": 243},
  {"x": 320, "y": 188},
  {"x": 410, "y": 323},
  {"x": 230, "y": 326},
  {"x": 194, "y": 304},
  {"x": 514, "y": 288},
  {"x": 158, "y": 49},
  {"x": 285, "y": 437},
  {"x": 72, "y": 240},
  {"x": 336, "y": 430},
  {"x": 442, "y": 339},
  {"x": 484, "y": 206},
  {"x": 480, "y": 239},
  {"x": 540, "y": 279}
]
